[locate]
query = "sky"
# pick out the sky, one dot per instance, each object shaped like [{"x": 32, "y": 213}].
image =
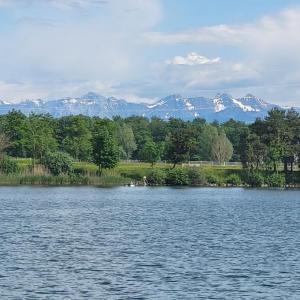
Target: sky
[{"x": 143, "y": 50}]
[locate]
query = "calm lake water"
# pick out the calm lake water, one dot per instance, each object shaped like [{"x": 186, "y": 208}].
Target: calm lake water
[{"x": 149, "y": 243}]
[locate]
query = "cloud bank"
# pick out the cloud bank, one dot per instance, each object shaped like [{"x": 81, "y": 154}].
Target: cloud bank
[
  {"x": 56, "y": 48},
  {"x": 268, "y": 57}
]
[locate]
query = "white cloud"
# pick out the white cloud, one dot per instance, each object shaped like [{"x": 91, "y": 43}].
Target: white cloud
[
  {"x": 67, "y": 47},
  {"x": 268, "y": 55},
  {"x": 193, "y": 59},
  {"x": 71, "y": 47}
]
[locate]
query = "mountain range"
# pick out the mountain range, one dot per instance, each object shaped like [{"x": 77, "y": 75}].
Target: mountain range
[{"x": 220, "y": 108}]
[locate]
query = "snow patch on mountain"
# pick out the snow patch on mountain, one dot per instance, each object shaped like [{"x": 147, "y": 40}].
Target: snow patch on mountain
[
  {"x": 221, "y": 108},
  {"x": 156, "y": 104},
  {"x": 188, "y": 104},
  {"x": 219, "y": 105},
  {"x": 242, "y": 106}
]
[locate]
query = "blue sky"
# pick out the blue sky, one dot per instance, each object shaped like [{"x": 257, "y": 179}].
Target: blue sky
[{"x": 142, "y": 50}]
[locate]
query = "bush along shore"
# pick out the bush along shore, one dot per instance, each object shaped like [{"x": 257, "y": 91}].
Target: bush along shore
[
  {"x": 228, "y": 178},
  {"x": 60, "y": 170}
]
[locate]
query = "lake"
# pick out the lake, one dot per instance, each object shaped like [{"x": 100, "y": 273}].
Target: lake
[{"x": 149, "y": 243}]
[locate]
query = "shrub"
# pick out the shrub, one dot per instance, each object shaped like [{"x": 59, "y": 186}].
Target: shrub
[
  {"x": 212, "y": 179},
  {"x": 234, "y": 179},
  {"x": 156, "y": 177},
  {"x": 135, "y": 175},
  {"x": 195, "y": 177},
  {"x": 58, "y": 163},
  {"x": 8, "y": 166},
  {"x": 177, "y": 177},
  {"x": 275, "y": 180},
  {"x": 254, "y": 179},
  {"x": 292, "y": 178}
]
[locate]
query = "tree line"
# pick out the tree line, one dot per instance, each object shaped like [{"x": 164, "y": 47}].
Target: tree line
[{"x": 262, "y": 145}]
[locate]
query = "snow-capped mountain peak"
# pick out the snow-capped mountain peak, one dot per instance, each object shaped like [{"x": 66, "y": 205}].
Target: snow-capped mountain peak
[{"x": 221, "y": 108}]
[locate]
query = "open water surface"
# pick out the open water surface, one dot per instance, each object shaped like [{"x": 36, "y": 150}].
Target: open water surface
[{"x": 149, "y": 243}]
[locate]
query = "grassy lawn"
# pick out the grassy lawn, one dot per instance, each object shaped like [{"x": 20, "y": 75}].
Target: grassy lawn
[
  {"x": 122, "y": 174},
  {"x": 125, "y": 172},
  {"x": 137, "y": 168}
]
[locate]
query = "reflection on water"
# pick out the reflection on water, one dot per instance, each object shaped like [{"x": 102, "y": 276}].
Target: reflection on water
[{"x": 143, "y": 243}]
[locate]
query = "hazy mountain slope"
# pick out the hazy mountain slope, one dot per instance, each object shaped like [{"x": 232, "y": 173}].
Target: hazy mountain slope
[{"x": 220, "y": 108}]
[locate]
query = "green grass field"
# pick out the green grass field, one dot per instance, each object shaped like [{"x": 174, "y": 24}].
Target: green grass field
[{"x": 87, "y": 173}]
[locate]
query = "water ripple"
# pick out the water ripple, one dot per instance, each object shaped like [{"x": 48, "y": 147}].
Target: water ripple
[{"x": 161, "y": 243}]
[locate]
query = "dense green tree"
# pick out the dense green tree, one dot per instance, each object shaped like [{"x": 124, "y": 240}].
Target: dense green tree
[
  {"x": 74, "y": 133},
  {"x": 39, "y": 136},
  {"x": 58, "y": 163},
  {"x": 265, "y": 144},
  {"x": 292, "y": 139},
  {"x": 159, "y": 129},
  {"x": 275, "y": 154},
  {"x": 141, "y": 131},
  {"x": 105, "y": 147},
  {"x": 14, "y": 126},
  {"x": 150, "y": 152},
  {"x": 254, "y": 152},
  {"x": 179, "y": 145},
  {"x": 234, "y": 131},
  {"x": 204, "y": 142}
]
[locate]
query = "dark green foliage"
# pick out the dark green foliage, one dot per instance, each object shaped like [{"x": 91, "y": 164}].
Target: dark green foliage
[
  {"x": 58, "y": 163},
  {"x": 292, "y": 178},
  {"x": 141, "y": 131},
  {"x": 39, "y": 136},
  {"x": 105, "y": 147},
  {"x": 177, "y": 177},
  {"x": 268, "y": 146},
  {"x": 234, "y": 179},
  {"x": 8, "y": 166},
  {"x": 15, "y": 125},
  {"x": 74, "y": 135},
  {"x": 275, "y": 180},
  {"x": 179, "y": 145},
  {"x": 156, "y": 177},
  {"x": 150, "y": 152},
  {"x": 235, "y": 131},
  {"x": 212, "y": 179},
  {"x": 254, "y": 179},
  {"x": 196, "y": 177}
]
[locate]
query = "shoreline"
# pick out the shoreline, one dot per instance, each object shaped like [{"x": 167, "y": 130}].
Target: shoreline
[
  {"x": 161, "y": 175},
  {"x": 128, "y": 183}
]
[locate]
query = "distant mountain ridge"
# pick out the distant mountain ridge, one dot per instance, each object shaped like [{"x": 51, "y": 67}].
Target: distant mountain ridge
[{"x": 220, "y": 108}]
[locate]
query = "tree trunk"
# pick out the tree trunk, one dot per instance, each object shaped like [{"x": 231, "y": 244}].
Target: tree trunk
[{"x": 100, "y": 170}]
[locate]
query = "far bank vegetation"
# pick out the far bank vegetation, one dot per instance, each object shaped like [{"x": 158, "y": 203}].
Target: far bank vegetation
[{"x": 40, "y": 149}]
